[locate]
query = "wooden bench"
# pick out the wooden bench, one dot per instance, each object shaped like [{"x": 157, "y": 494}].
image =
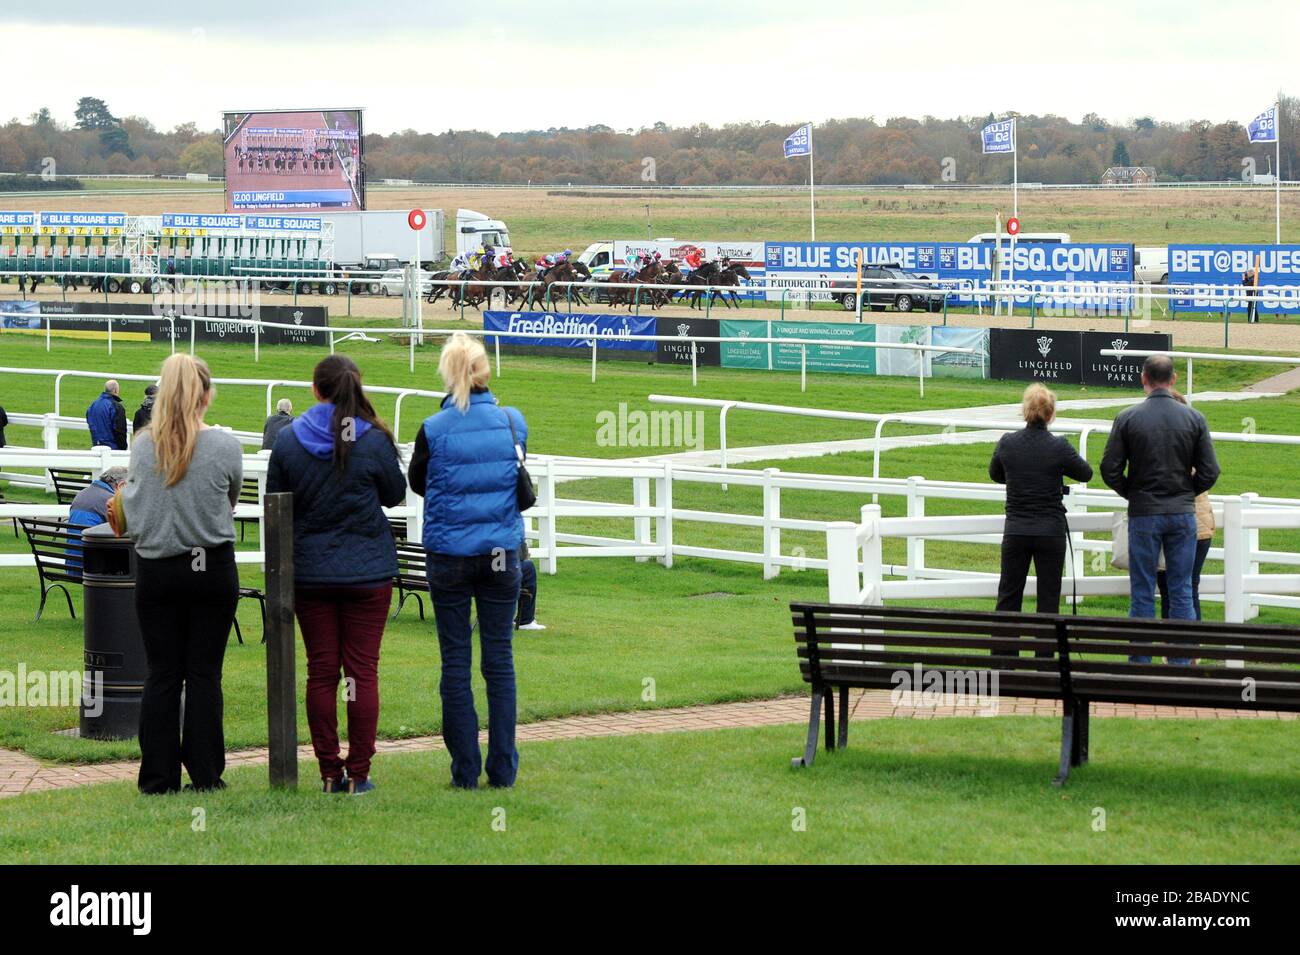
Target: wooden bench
[
  {"x": 1077, "y": 660},
  {"x": 247, "y": 495},
  {"x": 68, "y": 482},
  {"x": 56, "y": 547},
  {"x": 411, "y": 579}
]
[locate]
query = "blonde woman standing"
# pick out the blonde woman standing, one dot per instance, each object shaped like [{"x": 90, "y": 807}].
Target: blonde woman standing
[
  {"x": 465, "y": 465},
  {"x": 181, "y": 489},
  {"x": 1033, "y": 463}
]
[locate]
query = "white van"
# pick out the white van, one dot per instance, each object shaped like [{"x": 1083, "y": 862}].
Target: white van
[
  {"x": 1024, "y": 238},
  {"x": 1151, "y": 265}
]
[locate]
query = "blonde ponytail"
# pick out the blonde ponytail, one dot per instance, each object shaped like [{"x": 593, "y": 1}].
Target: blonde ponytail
[
  {"x": 463, "y": 367},
  {"x": 183, "y": 396}
]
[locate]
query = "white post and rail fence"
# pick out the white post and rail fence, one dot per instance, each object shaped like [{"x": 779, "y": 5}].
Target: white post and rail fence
[{"x": 664, "y": 517}]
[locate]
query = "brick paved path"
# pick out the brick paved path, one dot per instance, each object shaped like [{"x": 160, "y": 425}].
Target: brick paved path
[{"x": 22, "y": 774}]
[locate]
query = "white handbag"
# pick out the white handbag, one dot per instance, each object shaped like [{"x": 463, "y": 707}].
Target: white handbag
[{"x": 1119, "y": 544}]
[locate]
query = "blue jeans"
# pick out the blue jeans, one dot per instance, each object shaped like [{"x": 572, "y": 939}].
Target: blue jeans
[
  {"x": 527, "y": 593},
  {"x": 1148, "y": 535},
  {"x": 1198, "y": 564},
  {"x": 491, "y": 582}
]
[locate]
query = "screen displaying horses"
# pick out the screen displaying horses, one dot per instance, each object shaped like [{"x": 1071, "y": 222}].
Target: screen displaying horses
[{"x": 303, "y": 159}]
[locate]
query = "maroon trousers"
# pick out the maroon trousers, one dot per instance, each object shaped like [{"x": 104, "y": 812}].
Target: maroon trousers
[{"x": 341, "y": 629}]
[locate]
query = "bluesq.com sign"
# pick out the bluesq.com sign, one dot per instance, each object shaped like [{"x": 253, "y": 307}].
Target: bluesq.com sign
[{"x": 1084, "y": 276}]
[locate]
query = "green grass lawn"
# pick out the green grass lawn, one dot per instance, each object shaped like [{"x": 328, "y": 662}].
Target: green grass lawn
[
  {"x": 611, "y": 625},
  {"x": 555, "y": 393},
  {"x": 906, "y": 791},
  {"x": 705, "y": 631}
]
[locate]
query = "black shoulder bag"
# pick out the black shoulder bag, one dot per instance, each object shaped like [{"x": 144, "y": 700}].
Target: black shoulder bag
[{"x": 525, "y": 493}]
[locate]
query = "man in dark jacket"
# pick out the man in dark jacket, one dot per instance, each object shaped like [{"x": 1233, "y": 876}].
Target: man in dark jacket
[
  {"x": 106, "y": 418},
  {"x": 4, "y": 423},
  {"x": 144, "y": 414},
  {"x": 1158, "y": 458},
  {"x": 276, "y": 423}
]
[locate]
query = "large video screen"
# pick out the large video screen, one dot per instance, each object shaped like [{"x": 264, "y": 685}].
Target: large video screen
[{"x": 294, "y": 159}]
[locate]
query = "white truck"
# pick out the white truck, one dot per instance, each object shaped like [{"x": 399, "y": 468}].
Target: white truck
[
  {"x": 1024, "y": 238},
  {"x": 359, "y": 236},
  {"x": 381, "y": 241},
  {"x": 384, "y": 233},
  {"x": 474, "y": 229},
  {"x": 603, "y": 258}
]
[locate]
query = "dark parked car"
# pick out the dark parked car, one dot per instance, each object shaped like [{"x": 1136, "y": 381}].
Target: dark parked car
[{"x": 885, "y": 287}]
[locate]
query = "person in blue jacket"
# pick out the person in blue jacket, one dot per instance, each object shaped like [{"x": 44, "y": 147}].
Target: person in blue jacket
[
  {"x": 90, "y": 509},
  {"x": 465, "y": 464},
  {"x": 340, "y": 463},
  {"x": 106, "y": 418}
]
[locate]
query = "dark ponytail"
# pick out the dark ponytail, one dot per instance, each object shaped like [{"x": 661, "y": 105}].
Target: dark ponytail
[{"x": 337, "y": 379}]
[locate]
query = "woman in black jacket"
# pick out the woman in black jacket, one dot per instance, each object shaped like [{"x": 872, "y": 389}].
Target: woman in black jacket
[
  {"x": 340, "y": 463},
  {"x": 1033, "y": 463}
]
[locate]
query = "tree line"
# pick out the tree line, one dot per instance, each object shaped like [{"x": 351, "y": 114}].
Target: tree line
[{"x": 1052, "y": 149}]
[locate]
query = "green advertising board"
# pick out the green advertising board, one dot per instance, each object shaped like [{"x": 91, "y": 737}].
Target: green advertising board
[
  {"x": 744, "y": 354},
  {"x": 788, "y": 357}
]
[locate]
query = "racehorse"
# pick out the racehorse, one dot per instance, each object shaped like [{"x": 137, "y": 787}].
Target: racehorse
[
  {"x": 704, "y": 275},
  {"x": 473, "y": 295},
  {"x": 476, "y": 295},
  {"x": 671, "y": 275},
  {"x": 514, "y": 272},
  {"x": 438, "y": 291},
  {"x": 561, "y": 279},
  {"x": 631, "y": 296}
]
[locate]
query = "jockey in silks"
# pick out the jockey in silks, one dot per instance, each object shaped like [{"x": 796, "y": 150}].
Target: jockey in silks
[
  {"x": 504, "y": 259},
  {"x": 551, "y": 260},
  {"x": 460, "y": 264},
  {"x": 635, "y": 262},
  {"x": 694, "y": 258}
]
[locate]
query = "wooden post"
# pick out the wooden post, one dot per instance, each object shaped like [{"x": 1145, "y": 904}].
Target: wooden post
[{"x": 281, "y": 684}]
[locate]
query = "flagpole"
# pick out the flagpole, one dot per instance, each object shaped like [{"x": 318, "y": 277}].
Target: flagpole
[
  {"x": 1015, "y": 206},
  {"x": 812, "y": 189},
  {"x": 1277, "y": 169}
]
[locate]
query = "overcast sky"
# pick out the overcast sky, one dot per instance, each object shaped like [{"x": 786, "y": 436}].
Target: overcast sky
[{"x": 508, "y": 65}]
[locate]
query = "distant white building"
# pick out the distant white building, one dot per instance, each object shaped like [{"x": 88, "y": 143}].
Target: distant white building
[{"x": 1128, "y": 175}]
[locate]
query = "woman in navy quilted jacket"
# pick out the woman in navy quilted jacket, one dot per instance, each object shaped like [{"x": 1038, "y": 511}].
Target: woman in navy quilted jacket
[
  {"x": 465, "y": 465},
  {"x": 340, "y": 463}
]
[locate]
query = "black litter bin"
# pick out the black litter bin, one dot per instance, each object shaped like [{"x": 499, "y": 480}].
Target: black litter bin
[{"x": 114, "y": 650}]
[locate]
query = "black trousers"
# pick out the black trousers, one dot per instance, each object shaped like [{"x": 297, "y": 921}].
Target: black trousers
[
  {"x": 185, "y": 606},
  {"x": 1048, "y": 555}
]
